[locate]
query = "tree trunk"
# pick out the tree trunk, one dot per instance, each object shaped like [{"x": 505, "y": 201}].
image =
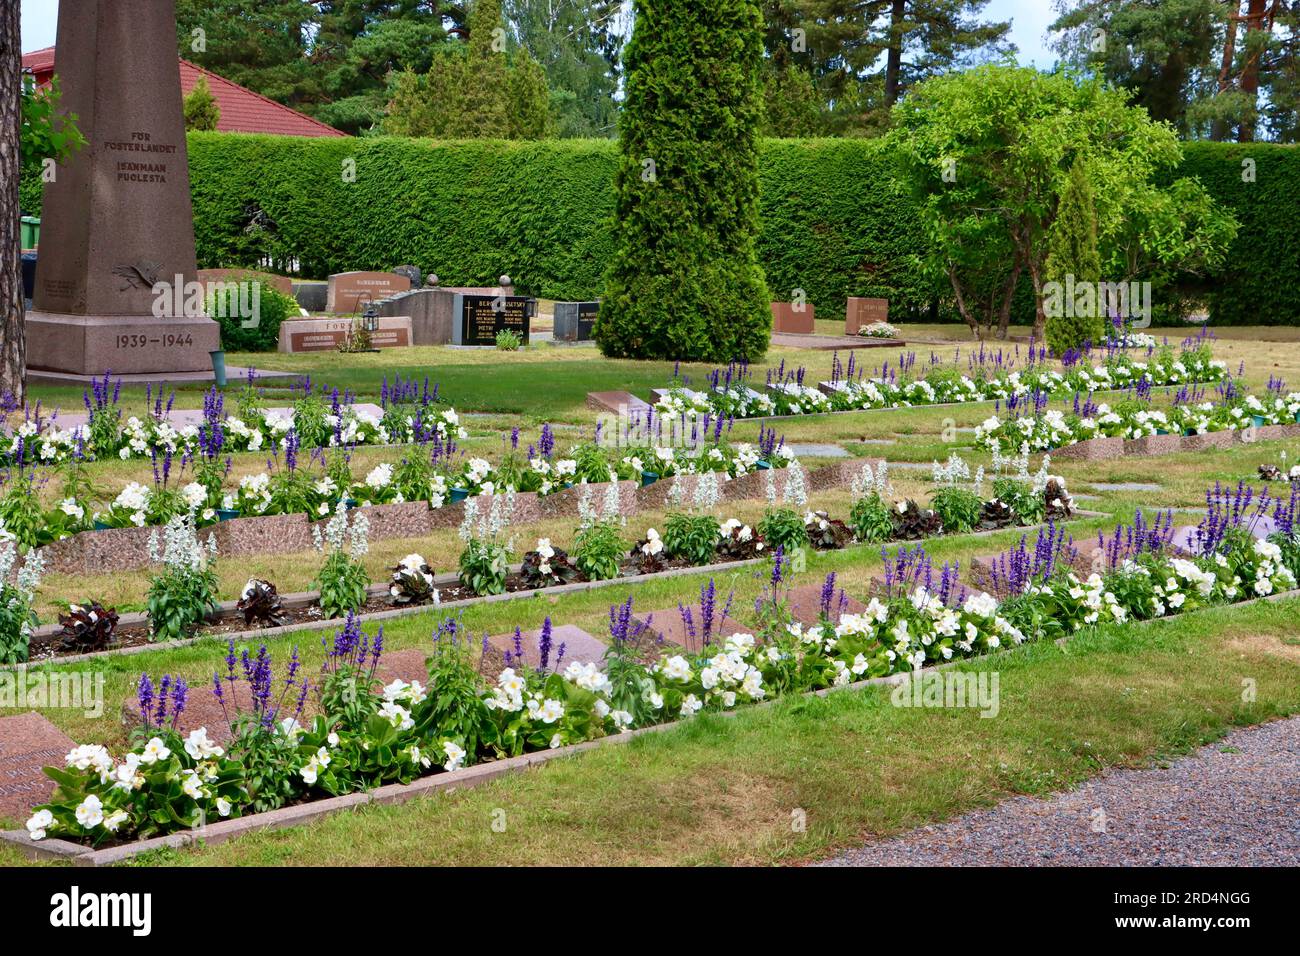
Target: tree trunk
[
  {"x": 1039, "y": 335},
  {"x": 13, "y": 342},
  {"x": 1219, "y": 129},
  {"x": 1008, "y": 296},
  {"x": 1255, "y": 15},
  {"x": 894, "y": 61},
  {"x": 965, "y": 311}
]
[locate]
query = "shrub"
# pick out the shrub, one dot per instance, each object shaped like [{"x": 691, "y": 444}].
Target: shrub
[
  {"x": 871, "y": 519},
  {"x": 1072, "y": 254},
  {"x": 244, "y": 333},
  {"x": 485, "y": 562},
  {"x": 508, "y": 341},
  {"x": 958, "y": 508},
  {"x": 684, "y": 281}
]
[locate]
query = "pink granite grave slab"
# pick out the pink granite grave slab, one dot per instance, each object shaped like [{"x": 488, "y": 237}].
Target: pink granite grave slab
[
  {"x": 28, "y": 744},
  {"x": 578, "y": 646},
  {"x": 668, "y": 625}
]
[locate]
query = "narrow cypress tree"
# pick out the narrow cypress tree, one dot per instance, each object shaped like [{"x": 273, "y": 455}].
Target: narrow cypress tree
[
  {"x": 685, "y": 282},
  {"x": 1072, "y": 251}
]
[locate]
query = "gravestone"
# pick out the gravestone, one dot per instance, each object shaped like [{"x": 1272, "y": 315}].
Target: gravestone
[
  {"x": 789, "y": 319},
  {"x": 312, "y": 295},
  {"x": 117, "y": 232},
  {"x": 355, "y": 291},
  {"x": 412, "y": 274},
  {"x": 202, "y": 709},
  {"x": 28, "y": 744},
  {"x": 861, "y": 312},
  {"x": 574, "y": 321},
  {"x": 209, "y": 277},
  {"x": 578, "y": 646},
  {"x": 324, "y": 335},
  {"x": 476, "y": 319}
]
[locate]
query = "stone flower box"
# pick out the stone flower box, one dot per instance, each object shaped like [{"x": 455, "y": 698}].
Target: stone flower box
[{"x": 264, "y": 534}]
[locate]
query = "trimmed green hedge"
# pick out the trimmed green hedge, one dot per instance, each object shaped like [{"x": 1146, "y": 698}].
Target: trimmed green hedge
[
  {"x": 1261, "y": 283},
  {"x": 541, "y": 211}
]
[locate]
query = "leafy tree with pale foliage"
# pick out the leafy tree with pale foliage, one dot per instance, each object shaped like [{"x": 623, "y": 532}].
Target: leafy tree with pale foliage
[{"x": 987, "y": 155}]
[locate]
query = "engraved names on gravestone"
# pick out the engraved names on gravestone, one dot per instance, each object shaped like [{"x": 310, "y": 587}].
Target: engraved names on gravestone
[{"x": 476, "y": 319}]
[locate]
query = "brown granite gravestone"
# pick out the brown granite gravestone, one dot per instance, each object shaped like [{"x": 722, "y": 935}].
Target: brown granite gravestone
[
  {"x": 28, "y": 743},
  {"x": 805, "y": 604},
  {"x": 209, "y": 277},
  {"x": 325, "y": 335},
  {"x": 860, "y": 312},
  {"x": 790, "y": 319},
  {"x": 117, "y": 266},
  {"x": 355, "y": 291},
  {"x": 670, "y": 626}
]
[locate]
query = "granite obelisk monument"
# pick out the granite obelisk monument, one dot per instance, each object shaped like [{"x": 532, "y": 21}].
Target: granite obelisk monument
[{"x": 117, "y": 230}]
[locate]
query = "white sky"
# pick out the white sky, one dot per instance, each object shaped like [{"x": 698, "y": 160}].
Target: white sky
[{"x": 1029, "y": 20}]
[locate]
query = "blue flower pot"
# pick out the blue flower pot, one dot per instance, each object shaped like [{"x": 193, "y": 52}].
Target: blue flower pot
[
  {"x": 349, "y": 503},
  {"x": 648, "y": 478},
  {"x": 1188, "y": 432},
  {"x": 1258, "y": 420},
  {"x": 100, "y": 526},
  {"x": 1297, "y": 418},
  {"x": 458, "y": 494},
  {"x": 763, "y": 465},
  {"x": 227, "y": 514},
  {"x": 1162, "y": 431}
]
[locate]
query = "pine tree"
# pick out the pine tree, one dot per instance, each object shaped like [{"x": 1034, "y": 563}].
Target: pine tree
[
  {"x": 201, "y": 109},
  {"x": 684, "y": 282},
  {"x": 1074, "y": 262},
  {"x": 476, "y": 89}
]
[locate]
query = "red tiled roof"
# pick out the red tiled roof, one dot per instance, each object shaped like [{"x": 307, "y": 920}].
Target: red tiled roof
[{"x": 242, "y": 110}]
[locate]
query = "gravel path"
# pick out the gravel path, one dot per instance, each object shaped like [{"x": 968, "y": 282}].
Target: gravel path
[{"x": 1240, "y": 808}]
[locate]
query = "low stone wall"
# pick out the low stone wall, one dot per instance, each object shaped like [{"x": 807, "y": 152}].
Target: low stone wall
[
  {"x": 1108, "y": 449},
  {"x": 127, "y": 549}
]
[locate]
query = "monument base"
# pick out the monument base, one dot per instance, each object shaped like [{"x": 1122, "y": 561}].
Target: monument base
[{"x": 122, "y": 344}]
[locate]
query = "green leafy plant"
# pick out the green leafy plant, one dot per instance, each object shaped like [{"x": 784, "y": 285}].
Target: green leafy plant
[
  {"x": 508, "y": 341},
  {"x": 598, "y": 550},
  {"x": 485, "y": 562},
  {"x": 184, "y": 591},
  {"x": 691, "y": 537},
  {"x": 17, "y": 599},
  {"x": 959, "y": 509},
  {"x": 343, "y": 579},
  {"x": 871, "y": 519},
  {"x": 783, "y": 528}
]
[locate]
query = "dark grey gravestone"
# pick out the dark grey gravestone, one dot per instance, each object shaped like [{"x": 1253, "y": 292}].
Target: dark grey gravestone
[
  {"x": 574, "y": 321},
  {"x": 476, "y": 319},
  {"x": 312, "y": 296},
  {"x": 412, "y": 273}
]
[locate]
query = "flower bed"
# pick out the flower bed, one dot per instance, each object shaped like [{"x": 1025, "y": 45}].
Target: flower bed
[
  {"x": 367, "y": 736},
  {"x": 731, "y": 391},
  {"x": 1039, "y": 429}
]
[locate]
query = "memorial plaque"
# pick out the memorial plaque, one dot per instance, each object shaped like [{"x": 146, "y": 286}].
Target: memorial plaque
[
  {"x": 117, "y": 260},
  {"x": 476, "y": 319},
  {"x": 792, "y": 319},
  {"x": 354, "y": 291},
  {"x": 574, "y": 321},
  {"x": 325, "y": 335},
  {"x": 860, "y": 312},
  {"x": 28, "y": 744}
]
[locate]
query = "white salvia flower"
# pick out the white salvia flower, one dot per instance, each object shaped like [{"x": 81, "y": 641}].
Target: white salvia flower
[
  {"x": 181, "y": 550},
  {"x": 796, "y": 489}
]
